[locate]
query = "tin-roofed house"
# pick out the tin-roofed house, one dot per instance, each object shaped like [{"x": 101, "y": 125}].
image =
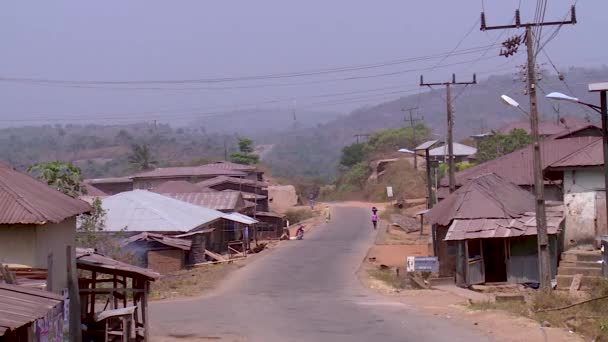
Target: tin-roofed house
[
  {"x": 37, "y": 224},
  {"x": 486, "y": 232},
  {"x": 150, "y": 179}
]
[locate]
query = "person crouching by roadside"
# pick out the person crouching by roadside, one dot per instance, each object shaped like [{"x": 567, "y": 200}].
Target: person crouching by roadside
[{"x": 327, "y": 214}]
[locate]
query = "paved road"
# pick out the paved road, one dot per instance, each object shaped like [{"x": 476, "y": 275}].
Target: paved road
[{"x": 305, "y": 291}]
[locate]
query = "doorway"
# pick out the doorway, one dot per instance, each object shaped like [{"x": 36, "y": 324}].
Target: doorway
[{"x": 494, "y": 260}]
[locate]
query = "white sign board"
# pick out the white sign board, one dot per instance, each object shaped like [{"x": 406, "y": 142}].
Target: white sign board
[{"x": 389, "y": 191}]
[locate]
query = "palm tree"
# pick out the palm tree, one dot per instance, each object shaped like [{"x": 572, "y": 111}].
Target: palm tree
[{"x": 141, "y": 158}]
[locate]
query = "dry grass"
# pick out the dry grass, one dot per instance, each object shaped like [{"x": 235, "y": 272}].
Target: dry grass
[
  {"x": 589, "y": 320},
  {"x": 190, "y": 283},
  {"x": 299, "y": 215},
  {"x": 387, "y": 276}
]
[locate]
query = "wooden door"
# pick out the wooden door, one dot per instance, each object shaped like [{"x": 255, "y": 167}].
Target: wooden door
[
  {"x": 601, "y": 227},
  {"x": 475, "y": 266}
]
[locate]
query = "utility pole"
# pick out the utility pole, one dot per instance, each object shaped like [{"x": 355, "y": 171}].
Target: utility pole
[
  {"x": 413, "y": 121},
  {"x": 541, "y": 218},
  {"x": 361, "y": 136},
  {"x": 448, "y": 88}
]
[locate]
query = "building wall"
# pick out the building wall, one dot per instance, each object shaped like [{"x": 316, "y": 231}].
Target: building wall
[
  {"x": 166, "y": 261},
  {"x": 580, "y": 192},
  {"x": 30, "y": 245},
  {"x": 113, "y": 188}
]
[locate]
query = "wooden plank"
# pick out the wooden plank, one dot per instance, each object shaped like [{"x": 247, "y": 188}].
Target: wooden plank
[
  {"x": 49, "y": 274},
  {"x": 110, "y": 289},
  {"x": 144, "y": 310},
  {"x": 8, "y": 277},
  {"x": 75, "y": 327},
  {"x": 214, "y": 255}
]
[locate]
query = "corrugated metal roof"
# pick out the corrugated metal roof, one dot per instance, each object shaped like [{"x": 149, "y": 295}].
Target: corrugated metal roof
[
  {"x": 86, "y": 259},
  {"x": 223, "y": 179},
  {"x": 485, "y": 197},
  {"x": 219, "y": 200},
  {"x": 141, "y": 210},
  {"x": 109, "y": 180},
  {"x": 160, "y": 238},
  {"x": 226, "y": 165},
  {"x": 572, "y": 130},
  {"x": 544, "y": 127},
  {"x": 269, "y": 214},
  {"x": 20, "y": 306},
  {"x": 247, "y": 195},
  {"x": 93, "y": 191},
  {"x": 590, "y": 155},
  {"x": 244, "y": 219},
  {"x": 188, "y": 171},
  {"x": 180, "y": 186},
  {"x": 459, "y": 150},
  {"x": 25, "y": 200},
  {"x": 516, "y": 167},
  {"x": 504, "y": 228},
  {"x": 425, "y": 145}
]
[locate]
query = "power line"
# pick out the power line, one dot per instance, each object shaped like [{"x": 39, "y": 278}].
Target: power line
[{"x": 247, "y": 78}]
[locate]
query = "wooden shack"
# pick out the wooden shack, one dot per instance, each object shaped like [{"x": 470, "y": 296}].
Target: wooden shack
[{"x": 106, "y": 284}]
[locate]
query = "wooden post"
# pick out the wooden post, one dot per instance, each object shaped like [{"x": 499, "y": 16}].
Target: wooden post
[
  {"x": 75, "y": 329},
  {"x": 144, "y": 306},
  {"x": 49, "y": 272},
  {"x": 93, "y": 297},
  {"x": 7, "y": 275}
]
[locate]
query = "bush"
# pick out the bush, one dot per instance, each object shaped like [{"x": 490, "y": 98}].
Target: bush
[{"x": 298, "y": 215}]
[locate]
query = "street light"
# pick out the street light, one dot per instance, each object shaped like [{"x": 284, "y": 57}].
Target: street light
[
  {"x": 511, "y": 102},
  {"x": 602, "y": 88},
  {"x": 563, "y": 97}
]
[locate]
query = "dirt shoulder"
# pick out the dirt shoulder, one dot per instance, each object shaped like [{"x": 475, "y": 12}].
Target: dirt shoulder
[{"x": 378, "y": 273}]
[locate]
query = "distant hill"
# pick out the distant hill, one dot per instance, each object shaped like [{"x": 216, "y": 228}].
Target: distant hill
[
  {"x": 263, "y": 120},
  {"x": 314, "y": 152}
]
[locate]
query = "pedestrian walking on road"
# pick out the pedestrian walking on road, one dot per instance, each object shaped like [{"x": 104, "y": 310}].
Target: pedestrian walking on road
[
  {"x": 375, "y": 220},
  {"x": 311, "y": 201},
  {"x": 327, "y": 214}
]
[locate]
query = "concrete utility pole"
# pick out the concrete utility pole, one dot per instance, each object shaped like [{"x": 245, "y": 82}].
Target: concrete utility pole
[
  {"x": 448, "y": 88},
  {"x": 541, "y": 218}
]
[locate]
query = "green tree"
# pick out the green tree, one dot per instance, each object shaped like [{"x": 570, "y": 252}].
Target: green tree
[
  {"x": 357, "y": 175},
  {"x": 464, "y": 165},
  {"x": 141, "y": 158},
  {"x": 62, "y": 176},
  {"x": 245, "y": 154},
  {"x": 352, "y": 154},
  {"x": 500, "y": 144},
  {"x": 245, "y": 145}
]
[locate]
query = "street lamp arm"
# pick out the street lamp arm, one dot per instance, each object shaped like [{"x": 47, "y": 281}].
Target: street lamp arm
[{"x": 592, "y": 106}]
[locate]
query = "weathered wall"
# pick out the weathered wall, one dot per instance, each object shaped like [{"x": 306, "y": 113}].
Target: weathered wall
[
  {"x": 166, "y": 261},
  {"x": 54, "y": 238},
  {"x": 580, "y": 188},
  {"x": 18, "y": 245},
  {"x": 30, "y": 245}
]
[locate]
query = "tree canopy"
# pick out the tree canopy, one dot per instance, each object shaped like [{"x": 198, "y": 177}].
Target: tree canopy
[
  {"x": 141, "y": 158},
  {"x": 245, "y": 155},
  {"x": 499, "y": 144},
  {"x": 62, "y": 176}
]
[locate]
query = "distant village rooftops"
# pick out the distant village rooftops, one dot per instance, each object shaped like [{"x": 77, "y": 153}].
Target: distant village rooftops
[
  {"x": 26, "y": 200},
  {"x": 109, "y": 180},
  {"x": 460, "y": 150},
  {"x": 219, "y": 200},
  {"x": 180, "y": 186},
  {"x": 188, "y": 171},
  {"x": 226, "y": 165},
  {"x": 545, "y": 127},
  {"x": 223, "y": 179}
]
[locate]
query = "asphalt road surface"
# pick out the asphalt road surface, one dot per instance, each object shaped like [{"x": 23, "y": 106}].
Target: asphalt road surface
[{"x": 305, "y": 291}]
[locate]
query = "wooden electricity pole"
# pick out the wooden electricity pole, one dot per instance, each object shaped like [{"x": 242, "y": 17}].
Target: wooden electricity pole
[
  {"x": 413, "y": 121},
  {"x": 541, "y": 218},
  {"x": 448, "y": 88}
]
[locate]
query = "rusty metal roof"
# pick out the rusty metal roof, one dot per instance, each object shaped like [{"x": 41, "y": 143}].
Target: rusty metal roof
[
  {"x": 516, "y": 167},
  {"x": 220, "y": 200},
  {"x": 458, "y": 149},
  {"x": 226, "y": 165},
  {"x": 223, "y": 179},
  {"x": 504, "y": 228},
  {"x": 589, "y": 156},
  {"x": 188, "y": 171},
  {"x": 109, "y": 180},
  {"x": 180, "y": 186},
  {"x": 86, "y": 259},
  {"x": 20, "y": 306},
  {"x": 160, "y": 238},
  {"x": 93, "y": 191},
  {"x": 544, "y": 127},
  {"x": 25, "y": 200},
  {"x": 484, "y": 197},
  {"x": 247, "y": 195},
  {"x": 426, "y": 145}
]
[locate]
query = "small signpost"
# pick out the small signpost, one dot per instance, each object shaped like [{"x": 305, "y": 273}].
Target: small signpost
[
  {"x": 422, "y": 264},
  {"x": 389, "y": 191}
]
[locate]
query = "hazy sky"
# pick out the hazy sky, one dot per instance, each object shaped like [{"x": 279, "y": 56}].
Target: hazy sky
[{"x": 202, "y": 39}]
